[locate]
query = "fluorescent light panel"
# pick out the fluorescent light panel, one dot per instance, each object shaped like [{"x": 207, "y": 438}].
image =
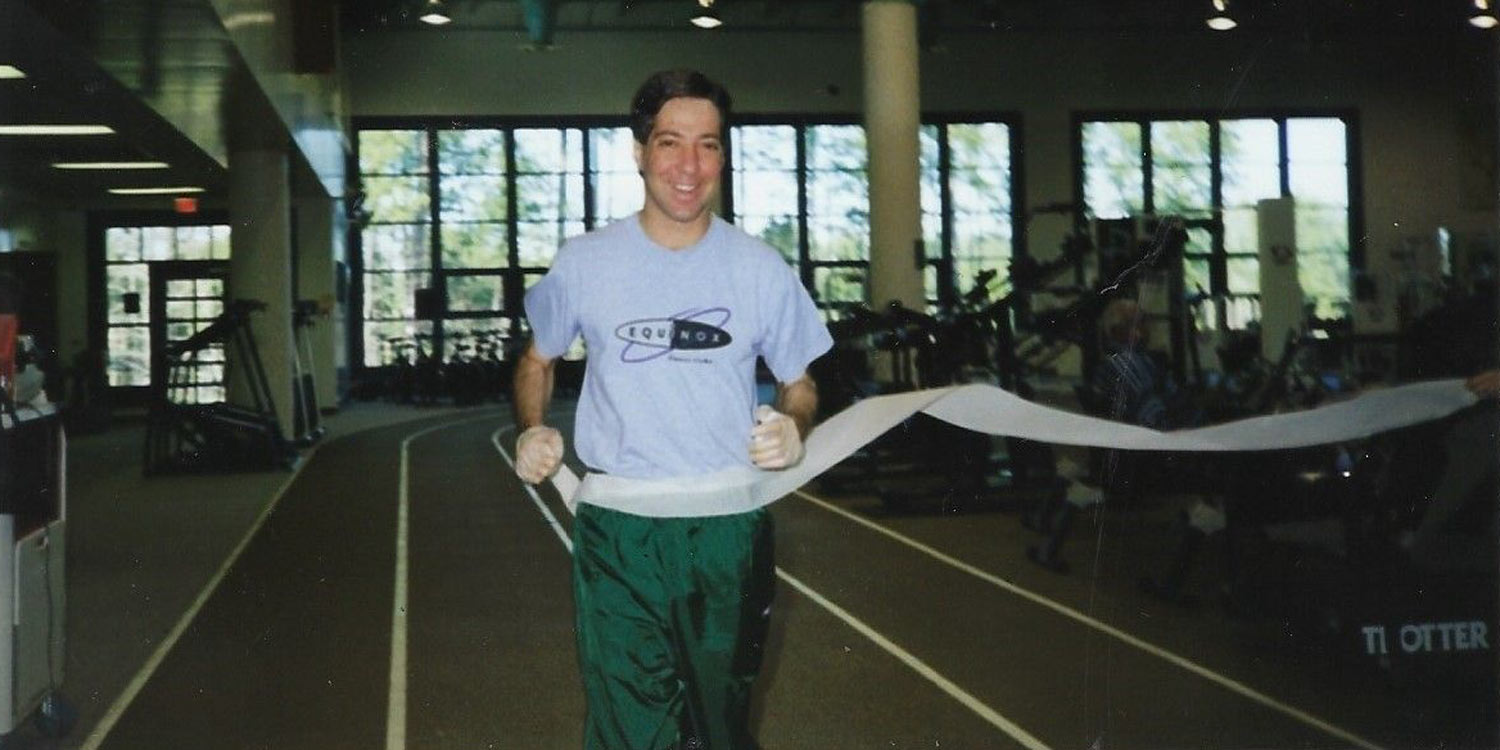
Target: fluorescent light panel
[
  {"x": 10, "y": 72},
  {"x": 56, "y": 130},
  {"x": 111, "y": 165},
  {"x": 157, "y": 190}
]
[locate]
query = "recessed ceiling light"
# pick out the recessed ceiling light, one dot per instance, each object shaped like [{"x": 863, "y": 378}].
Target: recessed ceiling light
[
  {"x": 111, "y": 165},
  {"x": 1483, "y": 21},
  {"x": 435, "y": 13},
  {"x": 706, "y": 17},
  {"x": 56, "y": 130},
  {"x": 11, "y": 71},
  {"x": 157, "y": 190}
]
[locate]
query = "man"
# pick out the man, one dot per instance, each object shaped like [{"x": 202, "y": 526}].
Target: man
[
  {"x": 1136, "y": 389},
  {"x": 672, "y": 572}
]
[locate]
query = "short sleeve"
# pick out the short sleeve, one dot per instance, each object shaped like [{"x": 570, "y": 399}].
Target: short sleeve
[
  {"x": 794, "y": 335},
  {"x": 551, "y": 310}
]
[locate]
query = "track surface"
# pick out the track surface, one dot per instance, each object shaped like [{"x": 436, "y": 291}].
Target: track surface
[{"x": 914, "y": 631}]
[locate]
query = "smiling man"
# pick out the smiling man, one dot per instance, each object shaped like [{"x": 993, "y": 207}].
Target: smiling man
[{"x": 672, "y": 573}]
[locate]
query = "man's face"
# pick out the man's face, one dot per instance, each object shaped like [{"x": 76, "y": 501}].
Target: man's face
[{"x": 681, "y": 161}]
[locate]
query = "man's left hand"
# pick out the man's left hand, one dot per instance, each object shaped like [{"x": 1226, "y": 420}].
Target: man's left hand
[{"x": 775, "y": 442}]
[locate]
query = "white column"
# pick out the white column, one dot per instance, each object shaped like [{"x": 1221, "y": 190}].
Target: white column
[
  {"x": 892, "y": 99},
  {"x": 1280, "y": 290},
  {"x": 320, "y": 241},
  {"x": 260, "y": 268}
]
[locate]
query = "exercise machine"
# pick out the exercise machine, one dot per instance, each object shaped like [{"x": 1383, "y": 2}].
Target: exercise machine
[
  {"x": 306, "y": 418},
  {"x": 185, "y": 436}
]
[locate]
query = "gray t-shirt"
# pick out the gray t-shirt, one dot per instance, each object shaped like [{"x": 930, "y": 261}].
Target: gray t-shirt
[{"x": 672, "y": 339}]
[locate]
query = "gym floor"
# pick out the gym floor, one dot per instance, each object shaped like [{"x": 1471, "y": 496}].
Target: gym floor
[{"x": 402, "y": 589}]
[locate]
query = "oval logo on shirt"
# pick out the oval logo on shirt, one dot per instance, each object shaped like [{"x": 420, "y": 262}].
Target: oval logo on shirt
[{"x": 649, "y": 338}]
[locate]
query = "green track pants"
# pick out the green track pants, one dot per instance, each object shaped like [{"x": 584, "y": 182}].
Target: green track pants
[{"x": 672, "y": 619}]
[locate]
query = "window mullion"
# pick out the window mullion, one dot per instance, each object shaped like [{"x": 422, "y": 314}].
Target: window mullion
[
  {"x": 1283, "y": 158},
  {"x": 1218, "y": 265},
  {"x": 515, "y": 278},
  {"x": 947, "y": 291},
  {"x": 435, "y": 240},
  {"x": 1148, "y": 171},
  {"x": 804, "y": 253},
  {"x": 726, "y": 186},
  {"x": 589, "y": 170}
]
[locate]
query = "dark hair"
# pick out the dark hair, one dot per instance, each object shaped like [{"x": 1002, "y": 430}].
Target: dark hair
[{"x": 666, "y": 85}]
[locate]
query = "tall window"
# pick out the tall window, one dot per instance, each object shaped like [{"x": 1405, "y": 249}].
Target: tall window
[
  {"x": 838, "y": 214},
  {"x": 475, "y": 234},
  {"x": 397, "y": 243},
  {"x": 967, "y": 206},
  {"x": 1212, "y": 173},
  {"x": 618, "y": 191},
  {"x": 467, "y": 218},
  {"x": 804, "y": 189},
  {"x": 129, "y": 253}
]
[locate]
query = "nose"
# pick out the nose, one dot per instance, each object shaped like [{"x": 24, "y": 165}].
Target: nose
[{"x": 689, "y": 161}]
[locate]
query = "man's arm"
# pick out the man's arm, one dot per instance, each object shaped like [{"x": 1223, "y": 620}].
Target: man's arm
[
  {"x": 1486, "y": 384},
  {"x": 539, "y": 448},
  {"x": 532, "y": 389},
  {"x": 799, "y": 400}
]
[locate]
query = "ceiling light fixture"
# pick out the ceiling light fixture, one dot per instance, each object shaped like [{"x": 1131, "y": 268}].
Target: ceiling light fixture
[
  {"x": 157, "y": 190},
  {"x": 1219, "y": 18},
  {"x": 1483, "y": 16},
  {"x": 56, "y": 130},
  {"x": 110, "y": 165},
  {"x": 705, "y": 17},
  {"x": 8, "y": 72},
  {"x": 435, "y": 13}
]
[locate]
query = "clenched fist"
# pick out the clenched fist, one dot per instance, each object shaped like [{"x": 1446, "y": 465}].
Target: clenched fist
[
  {"x": 775, "y": 442},
  {"x": 539, "y": 451}
]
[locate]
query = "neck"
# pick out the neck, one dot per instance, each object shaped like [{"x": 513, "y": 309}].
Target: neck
[{"x": 674, "y": 235}]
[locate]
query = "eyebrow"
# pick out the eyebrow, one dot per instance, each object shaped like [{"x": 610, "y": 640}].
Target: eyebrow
[{"x": 679, "y": 134}]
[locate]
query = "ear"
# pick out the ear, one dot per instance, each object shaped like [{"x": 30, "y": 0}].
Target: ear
[{"x": 640, "y": 157}]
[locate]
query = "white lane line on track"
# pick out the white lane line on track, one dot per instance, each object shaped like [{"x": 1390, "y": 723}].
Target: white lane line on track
[
  {"x": 395, "y": 722},
  {"x": 1116, "y": 633},
  {"x": 530, "y": 490},
  {"x": 117, "y": 709},
  {"x": 990, "y": 715},
  {"x": 920, "y": 667}
]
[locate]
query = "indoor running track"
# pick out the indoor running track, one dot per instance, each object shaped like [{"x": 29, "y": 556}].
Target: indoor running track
[{"x": 406, "y": 591}]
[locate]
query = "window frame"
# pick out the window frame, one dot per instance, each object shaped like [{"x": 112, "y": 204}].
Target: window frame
[
  {"x": 97, "y": 286},
  {"x": 1218, "y": 257},
  {"x": 947, "y": 283},
  {"x": 513, "y": 273}
]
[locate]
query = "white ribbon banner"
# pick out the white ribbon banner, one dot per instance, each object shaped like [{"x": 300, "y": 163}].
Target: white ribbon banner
[{"x": 992, "y": 410}]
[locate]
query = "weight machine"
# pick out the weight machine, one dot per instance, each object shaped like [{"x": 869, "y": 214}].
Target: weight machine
[
  {"x": 184, "y": 436},
  {"x": 975, "y": 340}
]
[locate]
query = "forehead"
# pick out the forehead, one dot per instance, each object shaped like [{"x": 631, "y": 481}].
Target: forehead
[{"x": 688, "y": 116}]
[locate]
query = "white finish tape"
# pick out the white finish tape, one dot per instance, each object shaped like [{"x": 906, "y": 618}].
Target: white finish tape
[{"x": 991, "y": 410}]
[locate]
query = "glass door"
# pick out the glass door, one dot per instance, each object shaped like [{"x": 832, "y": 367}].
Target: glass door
[{"x": 187, "y": 297}]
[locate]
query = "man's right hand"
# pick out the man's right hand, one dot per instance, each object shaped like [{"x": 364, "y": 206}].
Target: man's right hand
[{"x": 539, "y": 451}]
